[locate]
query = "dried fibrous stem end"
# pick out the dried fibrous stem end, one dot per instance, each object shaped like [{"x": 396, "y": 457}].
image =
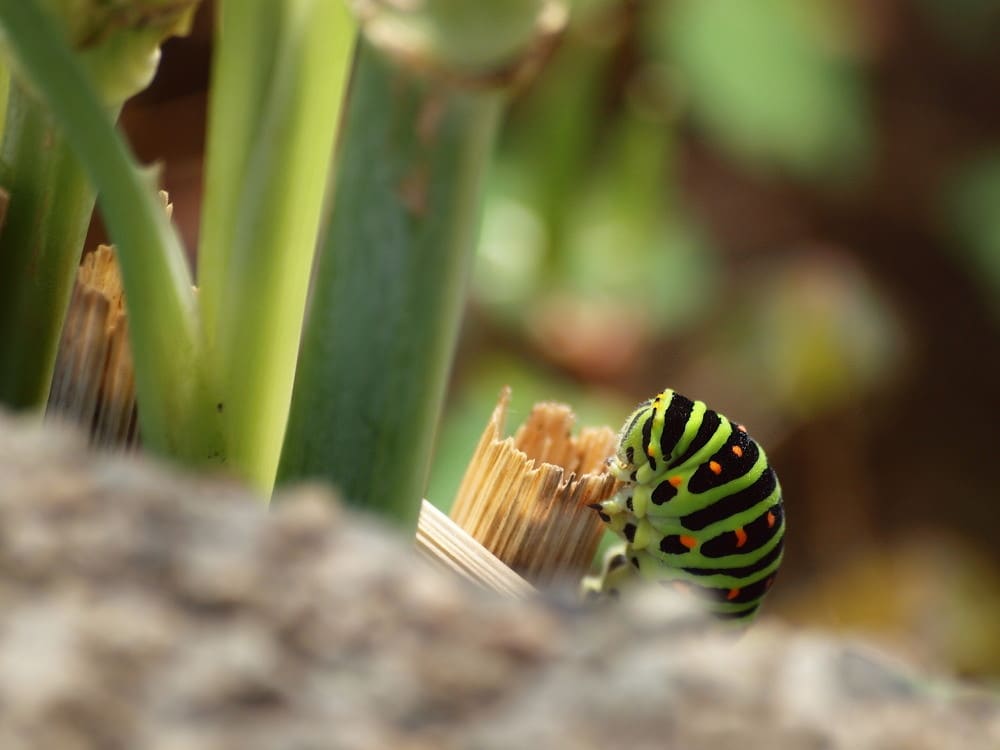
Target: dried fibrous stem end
[
  {"x": 4, "y": 203},
  {"x": 525, "y": 498},
  {"x": 93, "y": 385},
  {"x": 443, "y": 541}
]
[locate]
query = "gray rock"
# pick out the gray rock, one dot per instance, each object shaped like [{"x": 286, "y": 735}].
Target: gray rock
[{"x": 141, "y": 609}]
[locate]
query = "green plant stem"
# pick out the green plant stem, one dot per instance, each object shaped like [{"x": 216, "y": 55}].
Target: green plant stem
[
  {"x": 242, "y": 66},
  {"x": 390, "y": 286},
  {"x": 161, "y": 304},
  {"x": 51, "y": 201},
  {"x": 5, "y": 85},
  {"x": 272, "y": 133}
]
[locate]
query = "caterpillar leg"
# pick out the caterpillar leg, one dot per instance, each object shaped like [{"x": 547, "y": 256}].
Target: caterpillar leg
[
  {"x": 615, "y": 571},
  {"x": 616, "y": 504}
]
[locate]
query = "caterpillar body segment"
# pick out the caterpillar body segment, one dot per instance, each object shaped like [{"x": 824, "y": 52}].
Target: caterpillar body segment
[{"x": 699, "y": 509}]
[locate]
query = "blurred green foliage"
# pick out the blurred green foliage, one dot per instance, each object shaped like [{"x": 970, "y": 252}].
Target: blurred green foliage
[
  {"x": 809, "y": 335},
  {"x": 772, "y": 80},
  {"x": 973, "y": 204},
  {"x": 943, "y": 606},
  {"x": 744, "y": 201},
  {"x": 588, "y": 253},
  {"x": 967, "y": 22}
]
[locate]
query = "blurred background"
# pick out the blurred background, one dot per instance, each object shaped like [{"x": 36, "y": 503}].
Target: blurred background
[{"x": 789, "y": 209}]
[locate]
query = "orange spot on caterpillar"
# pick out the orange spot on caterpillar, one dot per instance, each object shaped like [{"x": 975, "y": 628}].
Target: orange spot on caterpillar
[
  {"x": 715, "y": 467},
  {"x": 733, "y": 593},
  {"x": 649, "y": 451},
  {"x": 689, "y": 541},
  {"x": 737, "y": 451},
  {"x": 677, "y": 480},
  {"x": 741, "y": 537},
  {"x": 770, "y": 520},
  {"x": 741, "y": 428}
]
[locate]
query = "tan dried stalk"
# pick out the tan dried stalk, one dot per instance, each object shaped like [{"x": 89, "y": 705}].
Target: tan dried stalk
[
  {"x": 440, "y": 539},
  {"x": 93, "y": 384}
]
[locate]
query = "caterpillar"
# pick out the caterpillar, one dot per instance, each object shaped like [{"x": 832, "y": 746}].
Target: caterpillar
[{"x": 699, "y": 508}]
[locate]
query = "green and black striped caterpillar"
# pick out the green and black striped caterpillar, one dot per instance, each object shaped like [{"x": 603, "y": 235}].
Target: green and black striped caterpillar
[{"x": 699, "y": 508}]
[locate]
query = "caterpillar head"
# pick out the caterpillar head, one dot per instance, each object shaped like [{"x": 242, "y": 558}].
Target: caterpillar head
[{"x": 631, "y": 443}]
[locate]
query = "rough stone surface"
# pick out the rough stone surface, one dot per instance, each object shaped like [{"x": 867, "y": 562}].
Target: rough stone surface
[{"x": 143, "y": 610}]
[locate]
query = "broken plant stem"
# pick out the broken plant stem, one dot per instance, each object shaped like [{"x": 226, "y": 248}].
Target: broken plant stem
[
  {"x": 93, "y": 386},
  {"x": 524, "y": 500}
]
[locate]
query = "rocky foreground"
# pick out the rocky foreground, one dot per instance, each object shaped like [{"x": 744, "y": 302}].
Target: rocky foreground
[{"x": 140, "y": 609}]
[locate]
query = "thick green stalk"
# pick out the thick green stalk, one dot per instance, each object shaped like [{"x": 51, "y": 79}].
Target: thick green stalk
[
  {"x": 243, "y": 62},
  {"x": 161, "y": 304},
  {"x": 390, "y": 285},
  {"x": 271, "y": 148},
  {"x": 50, "y": 206},
  {"x": 4, "y": 95}
]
